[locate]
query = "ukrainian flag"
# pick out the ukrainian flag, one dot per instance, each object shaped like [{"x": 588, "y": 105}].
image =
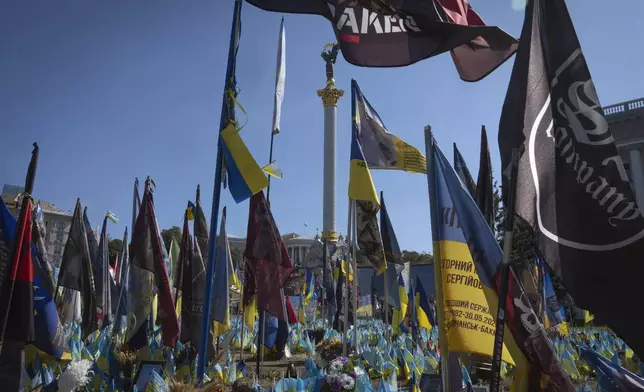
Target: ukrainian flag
[
  {"x": 399, "y": 314},
  {"x": 360, "y": 183},
  {"x": 245, "y": 176},
  {"x": 424, "y": 313},
  {"x": 309, "y": 287}
]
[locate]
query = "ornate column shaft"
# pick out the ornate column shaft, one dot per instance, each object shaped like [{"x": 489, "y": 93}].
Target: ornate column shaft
[{"x": 330, "y": 96}]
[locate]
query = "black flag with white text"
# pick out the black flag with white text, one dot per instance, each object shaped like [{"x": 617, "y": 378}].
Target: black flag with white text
[{"x": 572, "y": 187}]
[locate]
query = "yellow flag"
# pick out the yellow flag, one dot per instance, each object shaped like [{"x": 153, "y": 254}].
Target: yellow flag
[{"x": 250, "y": 312}]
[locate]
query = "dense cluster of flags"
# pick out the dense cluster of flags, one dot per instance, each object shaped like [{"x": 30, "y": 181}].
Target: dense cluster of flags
[{"x": 562, "y": 175}]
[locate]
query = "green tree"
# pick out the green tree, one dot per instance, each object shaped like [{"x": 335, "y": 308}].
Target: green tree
[
  {"x": 114, "y": 247},
  {"x": 415, "y": 258},
  {"x": 169, "y": 234}
]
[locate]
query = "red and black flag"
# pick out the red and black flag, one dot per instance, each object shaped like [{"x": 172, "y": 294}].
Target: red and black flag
[
  {"x": 149, "y": 275},
  {"x": 17, "y": 295},
  {"x": 572, "y": 187},
  {"x": 17, "y": 292},
  {"x": 76, "y": 270},
  {"x": 484, "y": 189},
  {"x": 394, "y": 33},
  {"x": 267, "y": 256}
]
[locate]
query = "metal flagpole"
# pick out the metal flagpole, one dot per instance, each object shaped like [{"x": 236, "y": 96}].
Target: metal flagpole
[
  {"x": 495, "y": 382},
  {"x": 214, "y": 216},
  {"x": 345, "y": 264},
  {"x": 438, "y": 274},
  {"x": 355, "y": 278},
  {"x": 241, "y": 313}
]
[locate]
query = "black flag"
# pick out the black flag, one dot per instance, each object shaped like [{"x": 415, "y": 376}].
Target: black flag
[
  {"x": 389, "y": 240},
  {"x": 372, "y": 34},
  {"x": 464, "y": 172},
  {"x": 572, "y": 187},
  {"x": 484, "y": 187},
  {"x": 76, "y": 270}
]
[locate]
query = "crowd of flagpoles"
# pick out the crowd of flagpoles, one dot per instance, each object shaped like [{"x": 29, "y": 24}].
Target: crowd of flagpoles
[{"x": 248, "y": 180}]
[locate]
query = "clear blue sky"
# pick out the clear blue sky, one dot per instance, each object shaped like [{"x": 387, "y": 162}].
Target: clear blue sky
[{"x": 119, "y": 89}]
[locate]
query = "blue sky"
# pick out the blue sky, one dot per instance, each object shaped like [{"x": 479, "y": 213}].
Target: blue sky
[{"x": 120, "y": 89}]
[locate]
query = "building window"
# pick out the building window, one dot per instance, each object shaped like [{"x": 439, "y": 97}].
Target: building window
[
  {"x": 57, "y": 251},
  {"x": 59, "y": 237},
  {"x": 60, "y": 224}
]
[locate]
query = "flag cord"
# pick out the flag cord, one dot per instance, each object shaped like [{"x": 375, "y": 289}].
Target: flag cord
[{"x": 495, "y": 381}]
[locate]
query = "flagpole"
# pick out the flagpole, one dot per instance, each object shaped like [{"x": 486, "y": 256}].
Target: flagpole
[
  {"x": 345, "y": 264},
  {"x": 214, "y": 216},
  {"x": 355, "y": 279},
  {"x": 135, "y": 207},
  {"x": 438, "y": 273},
  {"x": 495, "y": 381}
]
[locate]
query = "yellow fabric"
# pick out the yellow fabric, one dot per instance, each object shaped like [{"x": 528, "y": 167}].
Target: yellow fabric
[
  {"x": 410, "y": 158},
  {"x": 423, "y": 320},
  {"x": 178, "y": 307},
  {"x": 273, "y": 170},
  {"x": 301, "y": 317},
  {"x": 470, "y": 307},
  {"x": 220, "y": 328},
  {"x": 588, "y": 317},
  {"x": 155, "y": 303},
  {"x": 252, "y": 174},
  {"x": 360, "y": 183},
  {"x": 250, "y": 312},
  {"x": 399, "y": 314}
]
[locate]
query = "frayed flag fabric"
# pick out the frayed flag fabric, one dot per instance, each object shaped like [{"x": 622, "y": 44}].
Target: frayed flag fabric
[
  {"x": 268, "y": 258},
  {"x": 372, "y": 34}
]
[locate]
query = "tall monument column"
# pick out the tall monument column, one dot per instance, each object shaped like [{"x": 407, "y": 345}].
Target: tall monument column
[{"x": 330, "y": 96}]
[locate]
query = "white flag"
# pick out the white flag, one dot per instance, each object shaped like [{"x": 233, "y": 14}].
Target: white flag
[{"x": 280, "y": 79}]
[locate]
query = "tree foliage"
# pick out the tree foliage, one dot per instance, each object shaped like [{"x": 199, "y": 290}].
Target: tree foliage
[
  {"x": 169, "y": 234},
  {"x": 114, "y": 247},
  {"x": 415, "y": 258}
]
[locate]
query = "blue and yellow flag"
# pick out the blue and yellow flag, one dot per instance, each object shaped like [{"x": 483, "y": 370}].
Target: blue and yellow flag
[
  {"x": 309, "y": 287},
  {"x": 397, "y": 322},
  {"x": 245, "y": 176},
  {"x": 381, "y": 149},
  {"x": 470, "y": 284},
  {"x": 469, "y": 303},
  {"x": 424, "y": 312}
]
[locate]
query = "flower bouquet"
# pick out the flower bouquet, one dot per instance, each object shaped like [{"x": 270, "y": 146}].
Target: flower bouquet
[{"x": 341, "y": 376}]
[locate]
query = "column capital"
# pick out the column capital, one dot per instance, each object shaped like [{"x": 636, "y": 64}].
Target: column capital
[
  {"x": 330, "y": 94},
  {"x": 331, "y": 236}
]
